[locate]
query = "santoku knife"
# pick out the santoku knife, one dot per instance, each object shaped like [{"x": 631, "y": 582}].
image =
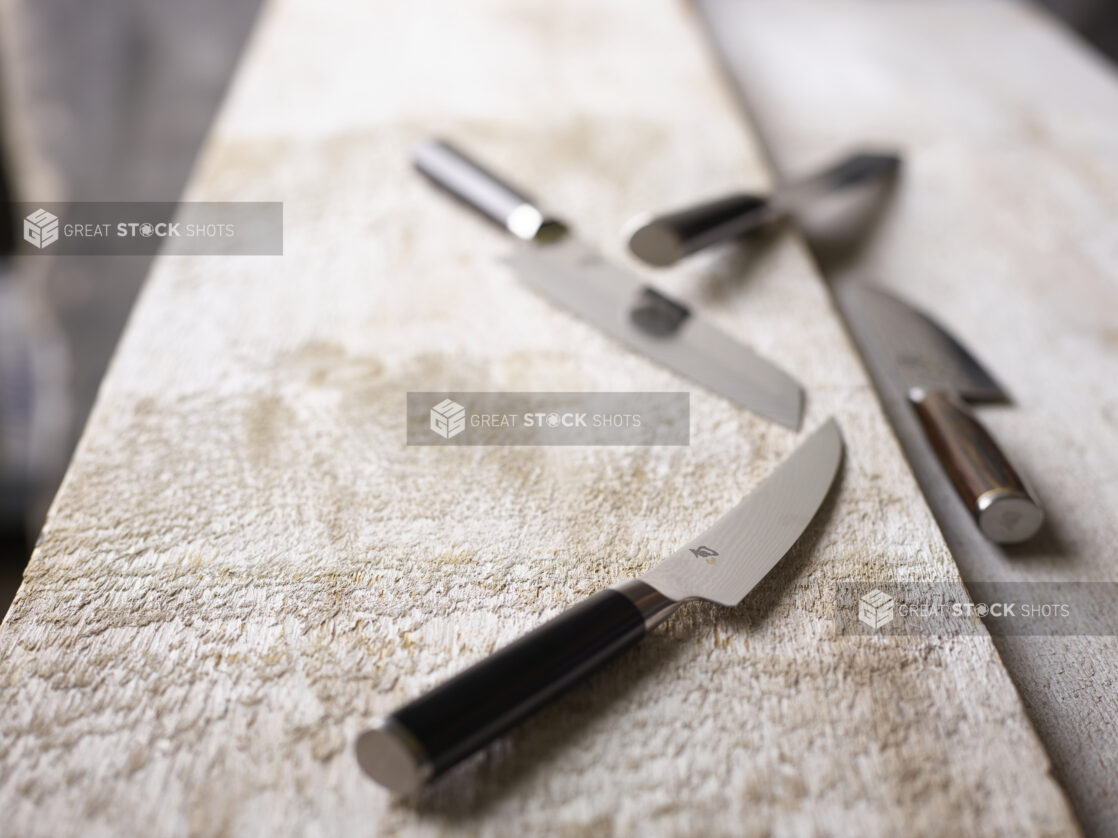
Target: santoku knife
[
  {"x": 663, "y": 240},
  {"x": 426, "y": 737},
  {"x": 940, "y": 376},
  {"x": 568, "y": 272}
]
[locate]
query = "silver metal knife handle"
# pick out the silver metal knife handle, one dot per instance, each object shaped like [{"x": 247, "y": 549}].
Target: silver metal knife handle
[{"x": 472, "y": 183}]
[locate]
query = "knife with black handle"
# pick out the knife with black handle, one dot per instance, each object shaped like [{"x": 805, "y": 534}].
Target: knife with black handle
[
  {"x": 429, "y": 735},
  {"x": 664, "y": 239}
]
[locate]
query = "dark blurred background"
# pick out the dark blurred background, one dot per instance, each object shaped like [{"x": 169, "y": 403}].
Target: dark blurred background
[
  {"x": 100, "y": 100},
  {"x": 110, "y": 100}
]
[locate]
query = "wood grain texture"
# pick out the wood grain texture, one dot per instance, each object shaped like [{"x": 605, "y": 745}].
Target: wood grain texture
[
  {"x": 1003, "y": 228},
  {"x": 245, "y": 564},
  {"x": 984, "y": 477}
]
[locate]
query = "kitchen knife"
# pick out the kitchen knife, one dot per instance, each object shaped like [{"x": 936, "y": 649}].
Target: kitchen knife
[
  {"x": 665, "y": 239},
  {"x": 940, "y": 377},
  {"x": 568, "y": 272},
  {"x": 426, "y": 737}
]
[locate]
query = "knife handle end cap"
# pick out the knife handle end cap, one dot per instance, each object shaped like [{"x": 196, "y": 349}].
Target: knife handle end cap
[
  {"x": 654, "y": 243},
  {"x": 1008, "y": 517},
  {"x": 389, "y": 755},
  {"x": 663, "y": 240}
]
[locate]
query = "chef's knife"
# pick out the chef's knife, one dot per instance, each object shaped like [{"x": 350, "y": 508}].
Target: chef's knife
[
  {"x": 568, "y": 272},
  {"x": 940, "y": 377},
  {"x": 426, "y": 737},
  {"x": 663, "y": 240}
]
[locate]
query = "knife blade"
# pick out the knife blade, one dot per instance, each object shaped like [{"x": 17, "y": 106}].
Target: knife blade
[
  {"x": 940, "y": 378},
  {"x": 663, "y": 240},
  {"x": 431, "y": 734},
  {"x": 570, "y": 273}
]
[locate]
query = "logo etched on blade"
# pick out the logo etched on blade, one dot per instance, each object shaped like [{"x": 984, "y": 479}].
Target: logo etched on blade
[{"x": 704, "y": 552}]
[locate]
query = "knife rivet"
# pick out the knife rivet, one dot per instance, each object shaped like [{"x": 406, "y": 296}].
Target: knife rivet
[{"x": 656, "y": 314}]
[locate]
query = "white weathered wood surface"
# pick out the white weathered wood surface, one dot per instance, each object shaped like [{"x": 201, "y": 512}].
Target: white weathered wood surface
[
  {"x": 1005, "y": 226},
  {"x": 245, "y": 564}
]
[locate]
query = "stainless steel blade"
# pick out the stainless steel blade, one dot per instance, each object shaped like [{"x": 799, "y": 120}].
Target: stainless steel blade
[
  {"x": 850, "y": 171},
  {"x": 726, "y": 562},
  {"x": 918, "y": 350},
  {"x": 576, "y": 277}
]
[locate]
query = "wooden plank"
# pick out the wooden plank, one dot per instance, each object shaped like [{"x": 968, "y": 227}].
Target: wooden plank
[
  {"x": 245, "y": 564},
  {"x": 1004, "y": 228}
]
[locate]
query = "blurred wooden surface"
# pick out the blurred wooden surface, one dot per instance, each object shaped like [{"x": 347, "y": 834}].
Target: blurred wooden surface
[
  {"x": 245, "y": 564},
  {"x": 1005, "y": 227},
  {"x": 100, "y": 101}
]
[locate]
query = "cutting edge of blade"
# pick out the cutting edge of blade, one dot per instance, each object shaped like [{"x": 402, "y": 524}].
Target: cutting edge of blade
[{"x": 803, "y": 480}]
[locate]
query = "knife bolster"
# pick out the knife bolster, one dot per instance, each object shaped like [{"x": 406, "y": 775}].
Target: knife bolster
[
  {"x": 653, "y": 605},
  {"x": 656, "y": 314}
]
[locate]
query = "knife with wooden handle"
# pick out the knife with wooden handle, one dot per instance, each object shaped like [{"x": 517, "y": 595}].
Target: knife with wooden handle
[
  {"x": 429, "y": 735},
  {"x": 942, "y": 379},
  {"x": 983, "y": 476},
  {"x": 664, "y": 239}
]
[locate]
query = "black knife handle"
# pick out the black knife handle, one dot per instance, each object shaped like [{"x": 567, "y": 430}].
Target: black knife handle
[
  {"x": 663, "y": 240},
  {"x": 426, "y": 737},
  {"x": 485, "y": 192},
  {"x": 996, "y": 495}
]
